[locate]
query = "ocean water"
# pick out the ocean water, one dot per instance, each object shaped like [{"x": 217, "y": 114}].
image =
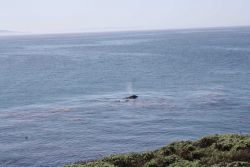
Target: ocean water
[{"x": 62, "y": 96}]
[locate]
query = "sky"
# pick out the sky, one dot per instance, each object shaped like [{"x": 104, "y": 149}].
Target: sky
[{"x": 59, "y": 16}]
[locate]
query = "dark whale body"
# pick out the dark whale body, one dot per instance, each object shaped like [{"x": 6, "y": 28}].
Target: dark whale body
[{"x": 132, "y": 97}]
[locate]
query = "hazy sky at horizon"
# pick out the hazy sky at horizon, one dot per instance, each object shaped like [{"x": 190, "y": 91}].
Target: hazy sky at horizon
[{"x": 41, "y": 16}]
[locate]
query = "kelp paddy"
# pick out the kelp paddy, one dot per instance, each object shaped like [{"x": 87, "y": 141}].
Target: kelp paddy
[{"x": 228, "y": 150}]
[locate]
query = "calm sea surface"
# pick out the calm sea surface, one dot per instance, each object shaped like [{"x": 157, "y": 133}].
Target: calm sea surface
[{"x": 61, "y": 96}]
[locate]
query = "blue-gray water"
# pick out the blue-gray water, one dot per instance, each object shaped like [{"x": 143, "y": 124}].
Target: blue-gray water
[{"x": 61, "y": 96}]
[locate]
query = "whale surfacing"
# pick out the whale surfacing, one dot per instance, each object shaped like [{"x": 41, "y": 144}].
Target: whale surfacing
[{"x": 132, "y": 97}]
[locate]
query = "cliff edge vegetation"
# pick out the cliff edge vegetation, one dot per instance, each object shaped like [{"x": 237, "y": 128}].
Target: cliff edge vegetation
[{"x": 228, "y": 150}]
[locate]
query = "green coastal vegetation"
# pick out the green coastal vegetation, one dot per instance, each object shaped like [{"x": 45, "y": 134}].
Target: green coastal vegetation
[{"x": 229, "y": 150}]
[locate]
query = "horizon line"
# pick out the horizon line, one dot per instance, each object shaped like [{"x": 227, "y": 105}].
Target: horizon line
[{"x": 20, "y": 33}]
